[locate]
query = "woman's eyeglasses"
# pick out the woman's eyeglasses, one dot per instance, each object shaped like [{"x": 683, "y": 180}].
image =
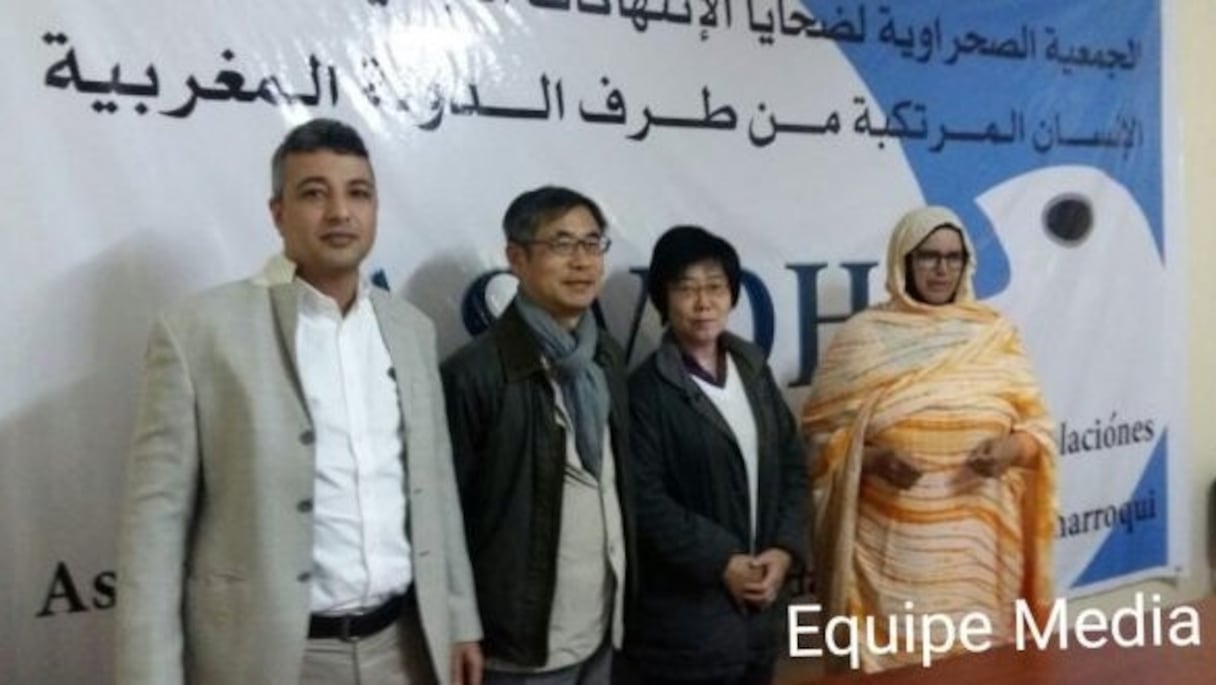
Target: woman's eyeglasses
[{"x": 931, "y": 259}]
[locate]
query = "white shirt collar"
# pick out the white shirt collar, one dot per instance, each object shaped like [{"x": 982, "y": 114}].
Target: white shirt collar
[
  {"x": 276, "y": 271},
  {"x": 279, "y": 270}
]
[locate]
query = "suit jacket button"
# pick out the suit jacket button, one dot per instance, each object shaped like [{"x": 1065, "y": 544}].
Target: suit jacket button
[
  {"x": 304, "y": 577},
  {"x": 307, "y": 437},
  {"x": 304, "y": 506}
]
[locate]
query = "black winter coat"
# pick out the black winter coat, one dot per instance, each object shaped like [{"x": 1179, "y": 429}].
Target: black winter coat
[
  {"x": 510, "y": 457},
  {"x": 693, "y": 514}
]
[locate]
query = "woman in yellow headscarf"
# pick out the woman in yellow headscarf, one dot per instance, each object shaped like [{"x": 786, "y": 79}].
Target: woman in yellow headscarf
[{"x": 934, "y": 477}]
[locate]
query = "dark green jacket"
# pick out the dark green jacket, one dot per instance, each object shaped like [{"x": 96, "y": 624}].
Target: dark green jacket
[{"x": 510, "y": 460}]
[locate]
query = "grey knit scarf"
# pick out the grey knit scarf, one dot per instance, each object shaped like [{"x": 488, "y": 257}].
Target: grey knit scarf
[{"x": 584, "y": 387}]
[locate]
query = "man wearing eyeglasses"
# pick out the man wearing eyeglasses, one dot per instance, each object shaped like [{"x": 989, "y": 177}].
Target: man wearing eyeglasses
[{"x": 538, "y": 415}]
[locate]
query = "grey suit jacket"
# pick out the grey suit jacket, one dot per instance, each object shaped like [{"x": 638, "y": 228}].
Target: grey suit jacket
[{"x": 217, "y": 530}]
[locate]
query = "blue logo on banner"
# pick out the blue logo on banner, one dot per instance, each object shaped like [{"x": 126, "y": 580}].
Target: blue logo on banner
[
  {"x": 1142, "y": 543},
  {"x": 1024, "y": 84}
]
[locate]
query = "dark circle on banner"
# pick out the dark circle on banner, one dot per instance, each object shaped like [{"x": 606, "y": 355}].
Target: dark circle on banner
[{"x": 1069, "y": 219}]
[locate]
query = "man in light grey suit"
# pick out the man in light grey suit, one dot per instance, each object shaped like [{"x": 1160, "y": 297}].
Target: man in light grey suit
[{"x": 291, "y": 513}]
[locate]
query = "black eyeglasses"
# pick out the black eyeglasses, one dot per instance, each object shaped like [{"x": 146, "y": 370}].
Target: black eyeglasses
[
  {"x": 565, "y": 246},
  {"x": 688, "y": 290},
  {"x": 931, "y": 259}
]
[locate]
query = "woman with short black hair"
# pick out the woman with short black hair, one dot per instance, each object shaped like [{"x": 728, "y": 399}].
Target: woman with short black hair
[{"x": 721, "y": 481}]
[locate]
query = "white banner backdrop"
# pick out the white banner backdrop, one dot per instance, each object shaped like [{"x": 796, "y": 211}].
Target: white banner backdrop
[{"x": 138, "y": 136}]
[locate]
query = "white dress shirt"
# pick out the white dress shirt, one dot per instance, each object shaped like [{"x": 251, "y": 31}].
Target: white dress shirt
[{"x": 361, "y": 556}]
